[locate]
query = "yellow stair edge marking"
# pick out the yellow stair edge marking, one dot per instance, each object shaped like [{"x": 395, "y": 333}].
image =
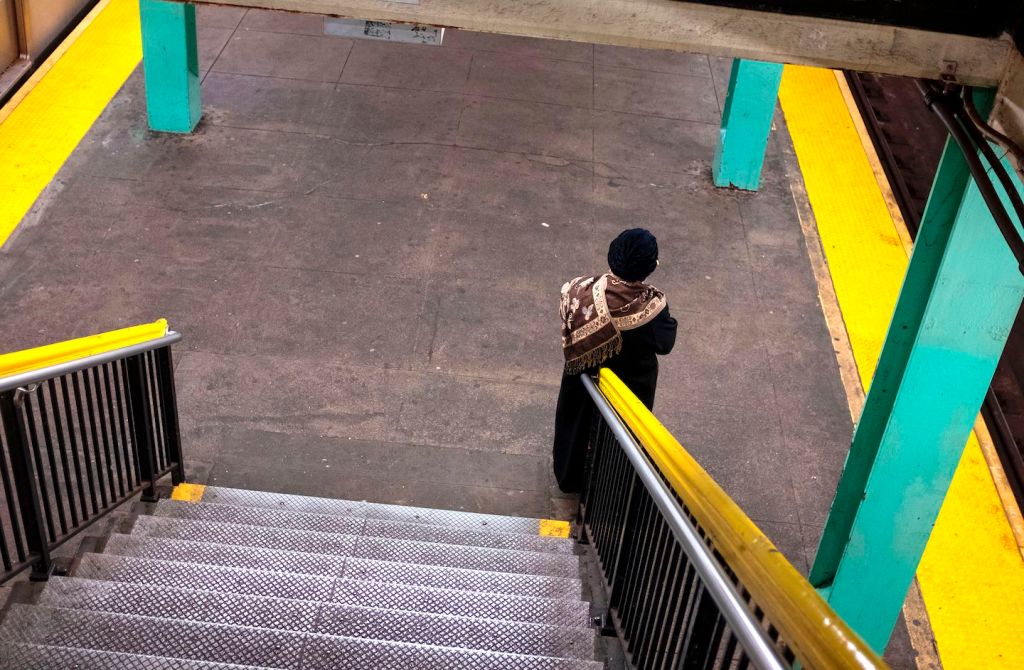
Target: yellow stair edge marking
[
  {"x": 46, "y": 119},
  {"x": 971, "y": 574},
  {"x": 553, "y": 528},
  {"x": 186, "y": 492},
  {"x": 61, "y": 352}
]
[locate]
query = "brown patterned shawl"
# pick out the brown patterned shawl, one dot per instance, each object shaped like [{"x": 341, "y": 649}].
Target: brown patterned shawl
[{"x": 594, "y": 312}]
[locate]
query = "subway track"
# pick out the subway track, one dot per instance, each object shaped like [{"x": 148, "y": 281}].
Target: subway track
[{"x": 909, "y": 140}]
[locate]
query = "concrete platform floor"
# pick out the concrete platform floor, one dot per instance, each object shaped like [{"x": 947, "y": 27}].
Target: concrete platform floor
[{"x": 363, "y": 244}]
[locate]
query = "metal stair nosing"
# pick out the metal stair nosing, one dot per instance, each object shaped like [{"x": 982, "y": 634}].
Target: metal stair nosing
[
  {"x": 369, "y": 527},
  {"x": 332, "y": 506},
  {"x": 259, "y": 647},
  {"x": 406, "y": 551},
  {"x": 368, "y": 622}
]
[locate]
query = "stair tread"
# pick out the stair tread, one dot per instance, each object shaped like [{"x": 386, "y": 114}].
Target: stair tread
[
  {"x": 565, "y": 611},
  {"x": 332, "y": 506},
  {"x": 319, "y": 586},
  {"x": 133, "y": 634},
  {"x": 208, "y": 551},
  {"x": 314, "y": 542},
  {"x": 27, "y": 656},
  {"x": 369, "y": 527},
  {"x": 342, "y": 620}
]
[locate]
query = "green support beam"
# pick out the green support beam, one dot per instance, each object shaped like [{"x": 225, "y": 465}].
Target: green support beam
[
  {"x": 171, "y": 64},
  {"x": 746, "y": 123},
  {"x": 959, "y": 299}
]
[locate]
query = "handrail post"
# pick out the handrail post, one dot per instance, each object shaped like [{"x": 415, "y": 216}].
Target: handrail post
[
  {"x": 142, "y": 436},
  {"x": 169, "y": 407},
  {"x": 27, "y": 486}
]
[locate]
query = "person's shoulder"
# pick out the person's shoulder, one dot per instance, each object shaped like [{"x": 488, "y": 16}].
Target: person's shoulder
[{"x": 582, "y": 281}]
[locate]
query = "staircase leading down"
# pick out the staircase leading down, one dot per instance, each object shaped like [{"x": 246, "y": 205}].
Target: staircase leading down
[{"x": 245, "y": 579}]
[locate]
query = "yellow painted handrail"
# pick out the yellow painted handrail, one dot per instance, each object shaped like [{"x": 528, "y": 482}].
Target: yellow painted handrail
[
  {"x": 61, "y": 352},
  {"x": 817, "y": 635}
]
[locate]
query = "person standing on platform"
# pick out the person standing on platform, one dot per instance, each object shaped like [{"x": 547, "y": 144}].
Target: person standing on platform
[{"x": 617, "y": 321}]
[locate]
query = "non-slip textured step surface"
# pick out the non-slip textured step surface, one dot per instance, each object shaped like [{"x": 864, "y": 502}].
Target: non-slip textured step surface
[
  {"x": 208, "y": 553},
  {"x": 556, "y": 611},
  {"x": 248, "y": 646},
  {"x": 21, "y": 656},
  {"x": 420, "y": 515},
  {"x": 242, "y": 579},
  {"x": 346, "y": 525},
  {"x": 561, "y": 611},
  {"x": 209, "y": 577},
  {"x": 374, "y": 548},
  {"x": 326, "y": 618}
]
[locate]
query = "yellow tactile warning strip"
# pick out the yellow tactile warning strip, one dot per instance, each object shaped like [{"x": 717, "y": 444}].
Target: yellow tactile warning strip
[
  {"x": 553, "y": 528},
  {"x": 188, "y": 492},
  {"x": 971, "y": 575},
  {"x": 45, "y": 121}
]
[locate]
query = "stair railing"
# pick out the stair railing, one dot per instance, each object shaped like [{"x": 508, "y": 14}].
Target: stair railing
[
  {"x": 84, "y": 426},
  {"x": 691, "y": 581}
]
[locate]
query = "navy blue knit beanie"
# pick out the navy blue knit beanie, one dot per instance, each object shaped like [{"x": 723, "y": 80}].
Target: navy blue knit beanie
[{"x": 633, "y": 255}]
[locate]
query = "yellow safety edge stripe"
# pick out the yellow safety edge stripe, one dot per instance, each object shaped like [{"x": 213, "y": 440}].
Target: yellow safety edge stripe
[
  {"x": 553, "y": 528},
  {"x": 46, "y": 119},
  {"x": 61, "y": 352},
  {"x": 815, "y": 633},
  {"x": 971, "y": 576},
  {"x": 186, "y": 492},
  {"x": 981, "y": 432}
]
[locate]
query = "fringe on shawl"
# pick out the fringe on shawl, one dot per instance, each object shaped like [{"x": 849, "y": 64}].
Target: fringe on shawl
[{"x": 594, "y": 357}]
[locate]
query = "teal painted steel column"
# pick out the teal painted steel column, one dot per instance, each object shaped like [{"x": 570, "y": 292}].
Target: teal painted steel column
[
  {"x": 746, "y": 123},
  {"x": 171, "y": 64},
  {"x": 959, "y": 299}
]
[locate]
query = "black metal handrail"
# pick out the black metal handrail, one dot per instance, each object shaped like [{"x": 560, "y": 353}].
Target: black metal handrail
[
  {"x": 669, "y": 601},
  {"x": 675, "y": 595},
  {"x": 79, "y": 438}
]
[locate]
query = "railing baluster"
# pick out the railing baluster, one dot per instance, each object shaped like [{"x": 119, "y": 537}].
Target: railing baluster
[
  {"x": 626, "y": 531},
  {"x": 12, "y": 440},
  {"x": 5, "y": 554},
  {"x": 53, "y": 418},
  {"x": 115, "y": 436},
  {"x": 12, "y": 404},
  {"x": 85, "y": 393},
  {"x": 172, "y": 431},
  {"x": 652, "y": 575},
  {"x": 701, "y": 636},
  {"x": 729, "y": 655},
  {"x": 126, "y": 421},
  {"x": 153, "y": 395},
  {"x": 636, "y": 545},
  {"x": 141, "y": 425},
  {"x": 76, "y": 457},
  {"x": 28, "y": 416},
  {"x": 659, "y": 570},
  {"x": 97, "y": 410},
  {"x": 53, "y": 490},
  {"x": 684, "y": 610},
  {"x": 670, "y": 586},
  {"x": 715, "y": 648}
]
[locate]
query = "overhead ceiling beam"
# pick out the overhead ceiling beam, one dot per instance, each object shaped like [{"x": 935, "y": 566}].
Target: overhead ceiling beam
[{"x": 687, "y": 26}]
